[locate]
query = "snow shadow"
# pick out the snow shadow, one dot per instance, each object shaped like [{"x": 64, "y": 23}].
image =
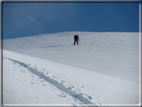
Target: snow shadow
[
  {"x": 54, "y": 46},
  {"x": 55, "y": 83}
]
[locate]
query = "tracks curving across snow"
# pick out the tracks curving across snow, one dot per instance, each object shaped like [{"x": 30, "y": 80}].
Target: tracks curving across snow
[{"x": 55, "y": 83}]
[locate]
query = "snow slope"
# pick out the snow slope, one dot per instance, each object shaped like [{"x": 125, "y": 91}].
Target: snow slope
[
  {"x": 102, "y": 69},
  {"x": 113, "y": 54},
  {"x": 29, "y": 80}
]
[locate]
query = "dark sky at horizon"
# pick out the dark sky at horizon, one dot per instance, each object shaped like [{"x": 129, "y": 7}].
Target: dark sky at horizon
[{"x": 27, "y": 19}]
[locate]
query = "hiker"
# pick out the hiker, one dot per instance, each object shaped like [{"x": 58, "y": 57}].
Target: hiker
[{"x": 76, "y": 39}]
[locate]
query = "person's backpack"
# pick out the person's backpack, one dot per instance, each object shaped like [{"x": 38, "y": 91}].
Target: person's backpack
[{"x": 76, "y": 37}]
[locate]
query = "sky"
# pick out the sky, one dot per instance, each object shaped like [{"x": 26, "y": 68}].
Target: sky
[{"x": 28, "y": 19}]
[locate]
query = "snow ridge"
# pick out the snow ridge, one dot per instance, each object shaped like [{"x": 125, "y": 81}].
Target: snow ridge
[{"x": 55, "y": 83}]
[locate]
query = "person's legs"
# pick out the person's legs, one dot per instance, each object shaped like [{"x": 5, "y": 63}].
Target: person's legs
[{"x": 74, "y": 42}]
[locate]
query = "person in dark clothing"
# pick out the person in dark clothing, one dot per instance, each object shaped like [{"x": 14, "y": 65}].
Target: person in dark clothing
[{"x": 76, "y": 39}]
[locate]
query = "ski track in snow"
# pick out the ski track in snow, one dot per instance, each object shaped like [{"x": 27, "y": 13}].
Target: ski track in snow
[{"x": 60, "y": 86}]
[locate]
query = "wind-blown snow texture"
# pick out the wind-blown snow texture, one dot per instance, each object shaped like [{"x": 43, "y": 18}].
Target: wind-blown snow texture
[{"x": 102, "y": 69}]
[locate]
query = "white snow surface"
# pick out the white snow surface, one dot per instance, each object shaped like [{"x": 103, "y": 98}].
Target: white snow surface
[{"x": 48, "y": 69}]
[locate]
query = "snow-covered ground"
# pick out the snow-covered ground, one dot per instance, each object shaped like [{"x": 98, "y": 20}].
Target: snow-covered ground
[{"x": 102, "y": 70}]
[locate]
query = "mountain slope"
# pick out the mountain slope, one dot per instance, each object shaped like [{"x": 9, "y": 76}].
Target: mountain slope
[
  {"x": 32, "y": 80},
  {"x": 110, "y": 53}
]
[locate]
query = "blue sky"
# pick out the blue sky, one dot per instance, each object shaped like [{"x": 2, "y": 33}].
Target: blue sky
[{"x": 27, "y": 19}]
